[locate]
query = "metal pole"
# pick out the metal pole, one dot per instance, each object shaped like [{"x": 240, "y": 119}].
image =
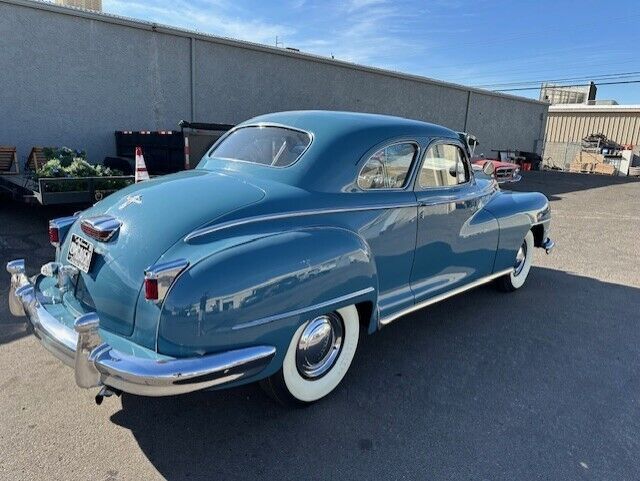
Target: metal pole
[
  {"x": 466, "y": 114},
  {"x": 193, "y": 79}
]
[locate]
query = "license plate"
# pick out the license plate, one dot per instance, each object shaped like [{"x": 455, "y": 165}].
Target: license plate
[{"x": 80, "y": 253}]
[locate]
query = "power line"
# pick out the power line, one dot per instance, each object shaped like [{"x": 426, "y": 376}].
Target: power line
[
  {"x": 567, "y": 68},
  {"x": 566, "y": 79},
  {"x": 575, "y": 85}
]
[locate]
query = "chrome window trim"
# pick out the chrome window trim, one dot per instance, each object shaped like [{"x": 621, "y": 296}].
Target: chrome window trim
[
  {"x": 286, "y": 215},
  {"x": 259, "y": 125},
  {"x": 408, "y": 180},
  {"x": 465, "y": 160}
]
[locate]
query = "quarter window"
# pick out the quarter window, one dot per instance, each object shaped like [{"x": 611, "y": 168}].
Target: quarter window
[
  {"x": 443, "y": 166},
  {"x": 388, "y": 168}
]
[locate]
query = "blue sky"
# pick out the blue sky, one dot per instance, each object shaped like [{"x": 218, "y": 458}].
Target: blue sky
[{"x": 469, "y": 42}]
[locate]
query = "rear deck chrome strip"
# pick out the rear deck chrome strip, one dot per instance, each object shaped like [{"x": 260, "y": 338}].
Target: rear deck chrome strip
[
  {"x": 286, "y": 215},
  {"x": 443, "y": 296}
]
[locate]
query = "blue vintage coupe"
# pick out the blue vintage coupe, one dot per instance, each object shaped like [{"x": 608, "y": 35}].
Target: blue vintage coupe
[{"x": 296, "y": 232}]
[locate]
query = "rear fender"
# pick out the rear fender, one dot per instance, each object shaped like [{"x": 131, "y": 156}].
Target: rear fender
[
  {"x": 517, "y": 213},
  {"x": 260, "y": 291}
]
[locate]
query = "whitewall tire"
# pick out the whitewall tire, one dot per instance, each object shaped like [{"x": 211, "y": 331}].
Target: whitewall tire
[
  {"x": 317, "y": 359},
  {"x": 522, "y": 265}
]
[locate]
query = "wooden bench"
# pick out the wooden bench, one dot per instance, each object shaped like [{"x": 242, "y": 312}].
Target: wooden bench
[
  {"x": 8, "y": 160},
  {"x": 36, "y": 159}
]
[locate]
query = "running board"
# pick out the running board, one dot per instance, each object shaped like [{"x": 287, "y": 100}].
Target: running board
[{"x": 443, "y": 296}]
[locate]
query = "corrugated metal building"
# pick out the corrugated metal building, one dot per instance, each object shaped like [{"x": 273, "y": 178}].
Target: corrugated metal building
[
  {"x": 571, "y": 123},
  {"x": 567, "y": 125}
]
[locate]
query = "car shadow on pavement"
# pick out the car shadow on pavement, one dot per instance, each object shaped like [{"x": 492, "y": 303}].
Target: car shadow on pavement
[
  {"x": 539, "y": 383},
  {"x": 554, "y": 183}
]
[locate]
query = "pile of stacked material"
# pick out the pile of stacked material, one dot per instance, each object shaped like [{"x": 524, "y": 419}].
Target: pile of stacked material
[{"x": 598, "y": 143}]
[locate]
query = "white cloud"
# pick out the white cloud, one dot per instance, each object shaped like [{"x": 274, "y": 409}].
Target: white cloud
[
  {"x": 212, "y": 16},
  {"x": 371, "y": 32},
  {"x": 358, "y": 4}
]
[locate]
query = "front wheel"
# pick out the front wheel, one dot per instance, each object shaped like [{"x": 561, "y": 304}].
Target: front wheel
[
  {"x": 318, "y": 357},
  {"x": 524, "y": 258}
]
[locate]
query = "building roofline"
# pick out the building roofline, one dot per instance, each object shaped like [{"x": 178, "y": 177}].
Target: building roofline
[
  {"x": 593, "y": 108},
  {"x": 166, "y": 29}
]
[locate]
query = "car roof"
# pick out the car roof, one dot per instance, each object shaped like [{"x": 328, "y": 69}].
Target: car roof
[
  {"x": 342, "y": 123},
  {"x": 340, "y": 141}
]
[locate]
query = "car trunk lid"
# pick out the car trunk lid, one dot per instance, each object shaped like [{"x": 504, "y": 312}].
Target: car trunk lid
[{"x": 151, "y": 216}]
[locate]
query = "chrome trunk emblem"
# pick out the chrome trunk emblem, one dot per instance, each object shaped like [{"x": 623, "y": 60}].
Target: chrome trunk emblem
[{"x": 131, "y": 199}]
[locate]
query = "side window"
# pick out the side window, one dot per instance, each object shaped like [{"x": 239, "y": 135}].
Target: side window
[
  {"x": 443, "y": 166},
  {"x": 388, "y": 168}
]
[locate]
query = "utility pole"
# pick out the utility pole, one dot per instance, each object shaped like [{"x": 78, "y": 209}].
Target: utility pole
[{"x": 278, "y": 42}]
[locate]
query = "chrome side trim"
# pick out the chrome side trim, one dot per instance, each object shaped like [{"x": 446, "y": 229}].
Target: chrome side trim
[
  {"x": 287, "y": 215},
  {"x": 304, "y": 310},
  {"x": 97, "y": 363},
  {"x": 443, "y": 296}
]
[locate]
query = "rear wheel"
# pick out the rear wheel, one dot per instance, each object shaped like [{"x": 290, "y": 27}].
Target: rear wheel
[
  {"x": 317, "y": 359},
  {"x": 524, "y": 257}
]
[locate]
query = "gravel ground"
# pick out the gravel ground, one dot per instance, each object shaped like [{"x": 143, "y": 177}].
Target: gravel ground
[{"x": 539, "y": 384}]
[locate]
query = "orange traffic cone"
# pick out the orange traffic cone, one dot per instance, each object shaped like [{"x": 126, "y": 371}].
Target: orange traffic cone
[{"x": 141, "y": 167}]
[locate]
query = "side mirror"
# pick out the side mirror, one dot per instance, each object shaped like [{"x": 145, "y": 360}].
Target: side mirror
[{"x": 488, "y": 168}]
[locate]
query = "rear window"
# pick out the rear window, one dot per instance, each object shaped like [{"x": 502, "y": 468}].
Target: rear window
[{"x": 265, "y": 145}]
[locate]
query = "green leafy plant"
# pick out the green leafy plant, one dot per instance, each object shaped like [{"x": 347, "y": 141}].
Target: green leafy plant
[
  {"x": 64, "y": 154},
  {"x": 72, "y": 164}
]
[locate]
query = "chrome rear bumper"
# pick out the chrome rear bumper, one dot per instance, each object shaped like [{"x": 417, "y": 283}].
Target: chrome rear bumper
[{"x": 98, "y": 364}]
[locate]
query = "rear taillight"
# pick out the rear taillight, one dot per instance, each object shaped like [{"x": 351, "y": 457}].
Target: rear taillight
[
  {"x": 159, "y": 278},
  {"x": 151, "y": 289},
  {"x": 54, "y": 235},
  {"x": 58, "y": 229}
]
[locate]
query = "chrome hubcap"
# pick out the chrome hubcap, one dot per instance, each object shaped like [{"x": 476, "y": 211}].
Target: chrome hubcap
[
  {"x": 319, "y": 345},
  {"x": 521, "y": 256}
]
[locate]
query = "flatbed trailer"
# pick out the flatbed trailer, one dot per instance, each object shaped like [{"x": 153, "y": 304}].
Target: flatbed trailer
[
  {"x": 164, "y": 151},
  {"x": 62, "y": 190}
]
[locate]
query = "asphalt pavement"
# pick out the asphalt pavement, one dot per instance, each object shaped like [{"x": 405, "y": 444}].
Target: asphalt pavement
[{"x": 543, "y": 383}]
